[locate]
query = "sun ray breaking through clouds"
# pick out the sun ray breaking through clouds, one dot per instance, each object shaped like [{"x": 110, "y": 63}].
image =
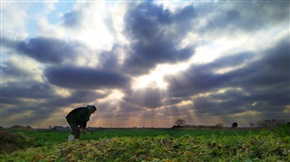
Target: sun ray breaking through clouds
[{"x": 145, "y": 63}]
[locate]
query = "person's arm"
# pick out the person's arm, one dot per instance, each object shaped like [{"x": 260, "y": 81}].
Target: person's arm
[
  {"x": 84, "y": 118},
  {"x": 83, "y": 129},
  {"x": 84, "y": 125}
]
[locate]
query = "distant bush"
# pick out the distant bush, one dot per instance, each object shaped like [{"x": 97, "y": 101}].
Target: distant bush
[
  {"x": 235, "y": 125},
  {"x": 180, "y": 122},
  {"x": 219, "y": 125},
  {"x": 20, "y": 127}
]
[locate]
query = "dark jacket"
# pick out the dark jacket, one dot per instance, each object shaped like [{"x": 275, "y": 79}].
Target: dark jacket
[{"x": 80, "y": 115}]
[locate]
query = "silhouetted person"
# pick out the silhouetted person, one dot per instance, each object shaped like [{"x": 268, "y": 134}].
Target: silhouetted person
[{"x": 77, "y": 119}]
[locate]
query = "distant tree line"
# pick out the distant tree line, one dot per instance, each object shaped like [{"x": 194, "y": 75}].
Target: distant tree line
[
  {"x": 268, "y": 123},
  {"x": 265, "y": 123},
  {"x": 18, "y": 127}
]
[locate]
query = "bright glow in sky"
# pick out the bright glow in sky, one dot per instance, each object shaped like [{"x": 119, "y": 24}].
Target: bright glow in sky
[
  {"x": 155, "y": 78},
  {"x": 144, "y": 63}
]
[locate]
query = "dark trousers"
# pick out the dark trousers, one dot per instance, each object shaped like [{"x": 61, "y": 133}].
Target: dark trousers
[{"x": 74, "y": 126}]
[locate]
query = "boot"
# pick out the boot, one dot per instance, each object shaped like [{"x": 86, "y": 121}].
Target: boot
[{"x": 71, "y": 137}]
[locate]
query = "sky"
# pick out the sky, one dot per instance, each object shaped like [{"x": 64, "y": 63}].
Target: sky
[{"x": 145, "y": 63}]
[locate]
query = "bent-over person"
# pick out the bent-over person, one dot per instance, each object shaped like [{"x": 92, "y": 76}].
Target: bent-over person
[{"x": 77, "y": 119}]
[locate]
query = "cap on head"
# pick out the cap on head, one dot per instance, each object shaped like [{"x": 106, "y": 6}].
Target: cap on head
[{"x": 92, "y": 108}]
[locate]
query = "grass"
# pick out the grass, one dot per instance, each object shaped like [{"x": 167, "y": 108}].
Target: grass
[
  {"x": 43, "y": 137},
  {"x": 157, "y": 145}
]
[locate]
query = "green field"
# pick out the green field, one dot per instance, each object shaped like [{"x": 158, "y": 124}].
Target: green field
[{"x": 155, "y": 145}]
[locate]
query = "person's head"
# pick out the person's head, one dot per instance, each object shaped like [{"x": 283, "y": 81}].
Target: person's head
[{"x": 92, "y": 108}]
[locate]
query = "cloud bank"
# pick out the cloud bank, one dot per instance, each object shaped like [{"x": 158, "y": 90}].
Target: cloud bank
[{"x": 145, "y": 63}]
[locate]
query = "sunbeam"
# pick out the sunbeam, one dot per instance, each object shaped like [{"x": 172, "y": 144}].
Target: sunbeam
[{"x": 144, "y": 63}]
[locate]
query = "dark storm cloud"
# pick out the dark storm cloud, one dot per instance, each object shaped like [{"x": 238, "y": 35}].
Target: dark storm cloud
[
  {"x": 47, "y": 50},
  {"x": 84, "y": 78},
  {"x": 23, "y": 108},
  {"x": 264, "y": 83},
  {"x": 208, "y": 106},
  {"x": 85, "y": 97},
  {"x": 43, "y": 100},
  {"x": 109, "y": 59},
  {"x": 17, "y": 93},
  {"x": 270, "y": 70},
  {"x": 267, "y": 80},
  {"x": 28, "y": 89},
  {"x": 201, "y": 78},
  {"x": 10, "y": 70},
  {"x": 154, "y": 36},
  {"x": 44, "y": 50},
  {"x": 185, "y": 15},
  {"x": 234, "y": 101},
  {"x": 245, "y": 16}
]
